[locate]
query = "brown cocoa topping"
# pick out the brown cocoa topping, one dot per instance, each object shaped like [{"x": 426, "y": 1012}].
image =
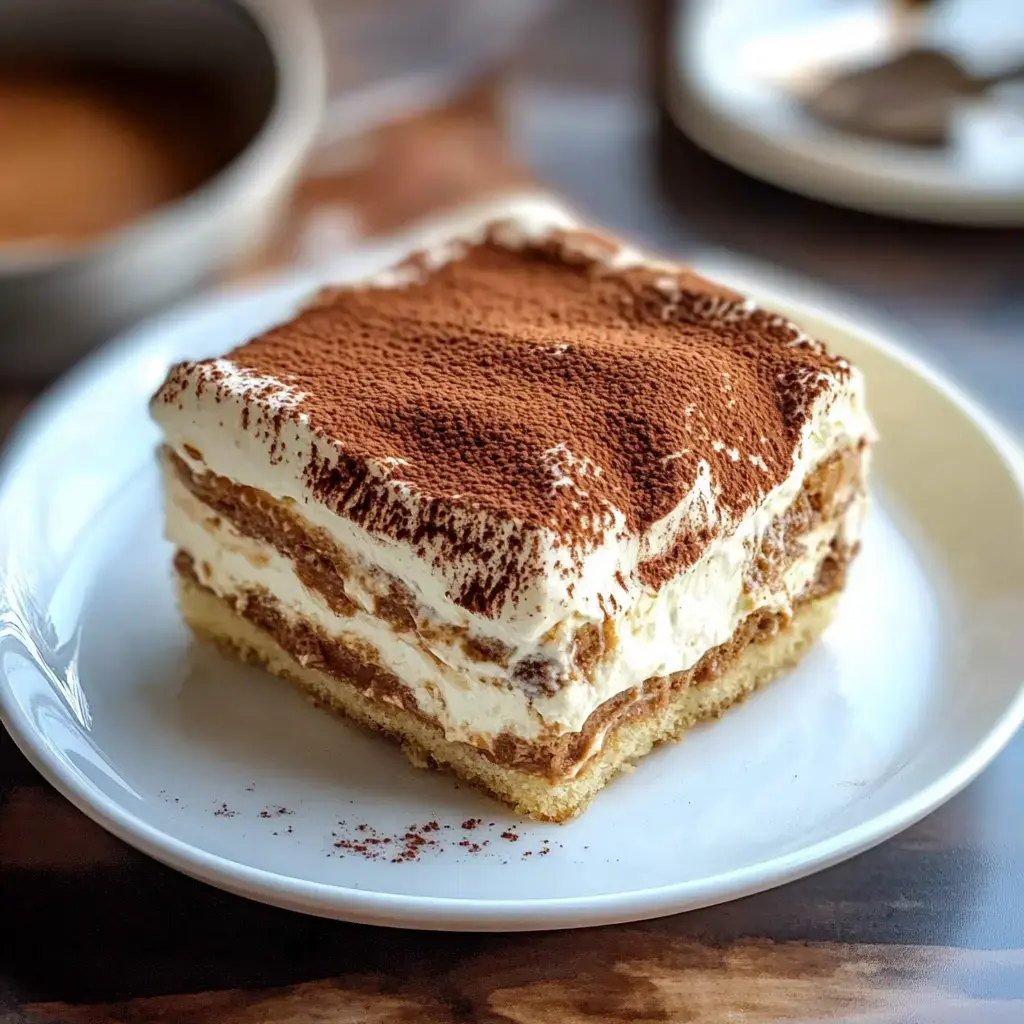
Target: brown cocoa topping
[{"x": 501, "y": 368}]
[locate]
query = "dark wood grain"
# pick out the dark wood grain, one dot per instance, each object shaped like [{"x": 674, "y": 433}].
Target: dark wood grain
[
  {"x": 627, "y": 975},
  {"x": 924, "y": 928}
]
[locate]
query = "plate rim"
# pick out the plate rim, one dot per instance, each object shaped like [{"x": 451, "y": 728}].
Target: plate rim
[{"x": 365, "y": 906}]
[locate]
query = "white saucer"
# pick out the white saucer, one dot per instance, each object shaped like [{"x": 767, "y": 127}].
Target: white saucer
[
  {"x": 191, "y": 758},
  {"x": 731, "y": 62}
]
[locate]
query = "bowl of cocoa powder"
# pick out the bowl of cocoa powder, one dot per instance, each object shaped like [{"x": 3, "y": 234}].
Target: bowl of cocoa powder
[{"x": 147, "y": 147}]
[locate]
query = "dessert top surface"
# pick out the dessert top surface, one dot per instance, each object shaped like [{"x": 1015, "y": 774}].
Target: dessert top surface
[{"x": 548, "y": 380}]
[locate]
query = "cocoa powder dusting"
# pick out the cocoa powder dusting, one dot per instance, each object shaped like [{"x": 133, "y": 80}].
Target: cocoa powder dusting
[
  {"x": 503, "y": 372},
  {"x": 365, "y": 841}
]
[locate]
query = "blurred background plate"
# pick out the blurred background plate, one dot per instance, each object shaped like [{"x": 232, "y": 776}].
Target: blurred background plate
[{"x": 737, "y": 66}]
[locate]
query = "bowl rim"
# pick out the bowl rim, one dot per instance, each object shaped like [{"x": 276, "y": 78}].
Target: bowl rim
[{"x": 292, "y": 35}]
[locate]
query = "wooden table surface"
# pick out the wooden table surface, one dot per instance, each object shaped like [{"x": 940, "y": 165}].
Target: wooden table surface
[{"x": 927, "y": 927}]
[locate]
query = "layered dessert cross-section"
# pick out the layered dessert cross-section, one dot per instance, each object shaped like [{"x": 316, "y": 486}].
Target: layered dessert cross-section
[{"x": 528, "y": 503}]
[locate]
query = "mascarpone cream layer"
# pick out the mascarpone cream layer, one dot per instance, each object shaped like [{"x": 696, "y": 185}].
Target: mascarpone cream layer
[{"x": 667, "y": 632}]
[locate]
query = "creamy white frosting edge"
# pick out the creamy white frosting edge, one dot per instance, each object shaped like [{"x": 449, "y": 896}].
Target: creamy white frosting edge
[{"x": 433, "y": 572}]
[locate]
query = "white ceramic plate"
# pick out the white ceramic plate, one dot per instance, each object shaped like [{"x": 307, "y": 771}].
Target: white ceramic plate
[
  {"x": 728, "y": 91},
  {"x": 191, "y": 758}
]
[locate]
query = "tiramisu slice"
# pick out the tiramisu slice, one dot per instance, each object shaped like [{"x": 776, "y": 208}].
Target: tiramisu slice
[{"x": 527, "y": 503}]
